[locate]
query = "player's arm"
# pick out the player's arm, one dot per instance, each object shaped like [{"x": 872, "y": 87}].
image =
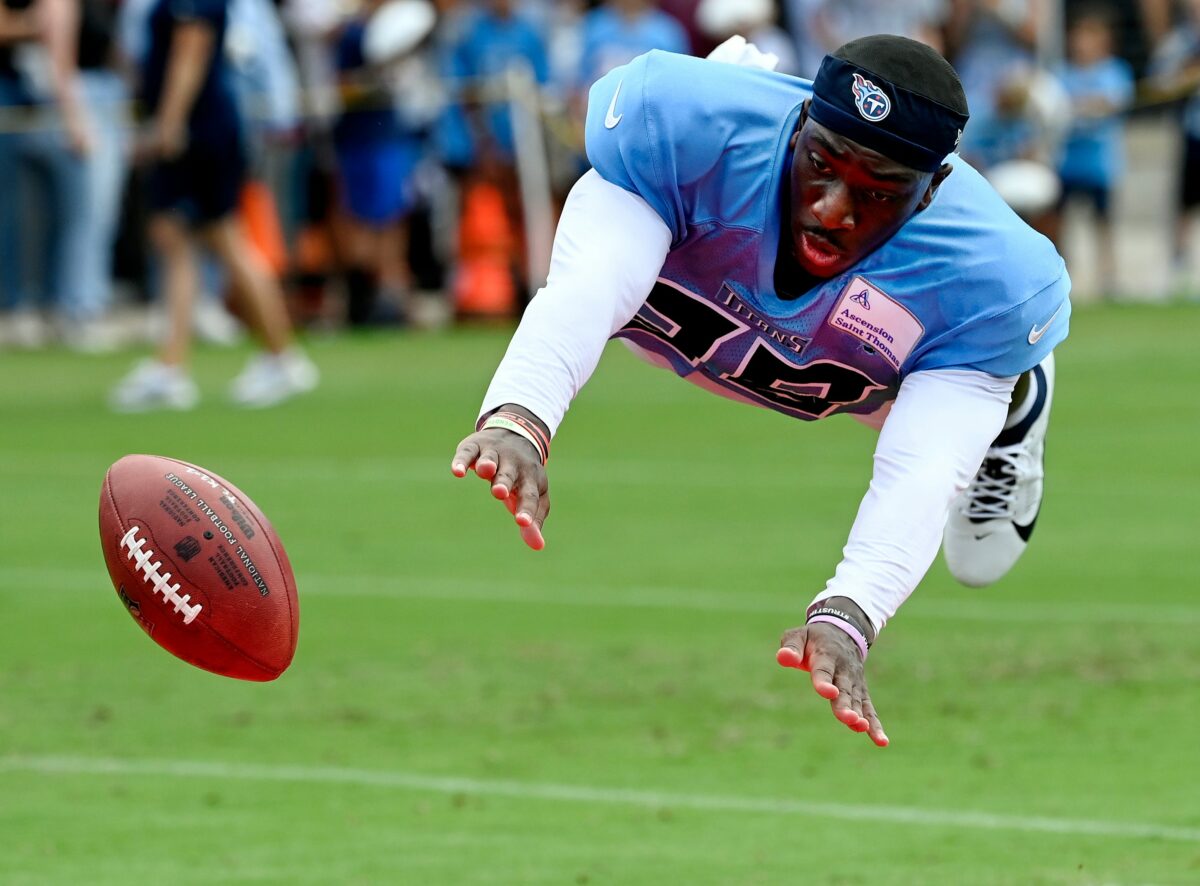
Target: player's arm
[
  {"x": 930, "y": 447},
  {"x": 193, "y": 43},
  {"x": 608, "y": 250}
]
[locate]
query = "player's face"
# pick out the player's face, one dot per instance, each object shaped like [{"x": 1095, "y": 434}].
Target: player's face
[{"x": 847, "y": 200}]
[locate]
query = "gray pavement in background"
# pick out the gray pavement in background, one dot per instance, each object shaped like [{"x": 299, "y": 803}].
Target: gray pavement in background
[{"x": 1144, "y": 218}]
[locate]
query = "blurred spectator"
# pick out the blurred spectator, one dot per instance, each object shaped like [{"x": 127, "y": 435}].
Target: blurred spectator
[
  {"x": 493, "y": 40},
  {"x": 687, "y": 13},
  {"x": 836, "y": 22},
  {"x": 991, "y": 43},
  {"x": 1175, "y": 70},
  {"x": 1100, "y": 88},
  {"x": 618, "y": 31},
  {"x": 799, "y": 15},
  {"x": 754, "y": 20},
  {"x": 496, "y": 43},
  {"x": 107, "y": 98},
  {"x": 193, "y": 138},
  {"x": 377, "y": 156},
  {"x": 45, "y": 132}
]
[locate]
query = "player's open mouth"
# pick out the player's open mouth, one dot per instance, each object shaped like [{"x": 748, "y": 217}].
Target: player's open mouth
[{"x": 818, "y": 251}]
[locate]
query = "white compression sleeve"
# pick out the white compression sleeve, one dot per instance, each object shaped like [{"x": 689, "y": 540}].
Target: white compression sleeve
[
  {"x": 608, "y": 250},
  {"x": 931, "y": 445}
]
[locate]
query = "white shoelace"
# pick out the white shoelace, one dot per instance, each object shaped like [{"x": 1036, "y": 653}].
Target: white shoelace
[{"x": 992, "y": 494}]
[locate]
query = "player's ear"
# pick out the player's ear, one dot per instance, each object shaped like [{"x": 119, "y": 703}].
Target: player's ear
[
  {"x": 934, "y": 184},
  {"x": 799, "y": 125}
]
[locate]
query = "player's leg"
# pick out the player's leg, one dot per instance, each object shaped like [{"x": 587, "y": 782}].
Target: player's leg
[
  {"x": 164, "y": 383},
  {"x": 283, "y": 370},
  {"x": 1100, "y": 200},
  {"x": 990, "y": 524},
  {"x": 1181, "y": 282}
]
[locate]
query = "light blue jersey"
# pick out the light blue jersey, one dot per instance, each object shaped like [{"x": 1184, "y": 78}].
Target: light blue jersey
[{"x": 964, "y": 284}]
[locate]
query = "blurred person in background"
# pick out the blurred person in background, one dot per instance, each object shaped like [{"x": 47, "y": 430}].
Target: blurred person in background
[
  {"x": 212, "y": 322},
  {"x": 477, "y": 143},
  {"x": 266, "y": 86},
  {"x": 377, "y": 156},
  {"x": 835, "y": 22},
  {"x": 492, "y": 39},
  {"x": 687, "y": 13},
  {"x": 1099, "y": 87},
  {"x": 618, "y": 31},
  {"x": 992, "y": 46},
  {"x": 193, "y": 139},
  {"x": 754, "y": 20},
  {"x": 45, "y": 132},
  {"x": 1175, "y": 74},
  {"x": 86, "y": 309},
  {"x": 798, "y": 15}
]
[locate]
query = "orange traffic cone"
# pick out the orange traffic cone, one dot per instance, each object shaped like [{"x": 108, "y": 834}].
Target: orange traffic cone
[
  {"x": 483, "y": 285},
  {"x": 260, "y": 218}
]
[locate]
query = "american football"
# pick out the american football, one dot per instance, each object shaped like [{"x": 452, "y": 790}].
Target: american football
[{"x": 199, "y": 567}]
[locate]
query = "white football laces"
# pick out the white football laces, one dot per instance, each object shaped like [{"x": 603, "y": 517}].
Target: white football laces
[{"x": 160, "y": 582}]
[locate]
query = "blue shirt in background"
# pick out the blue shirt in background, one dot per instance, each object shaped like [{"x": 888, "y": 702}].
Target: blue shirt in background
[
  {"x": 1094, "y": 151},
  {"x": 214, "y": 115},
  {"x": 490, "y": 45},
  {"x": 611, "y": 39}
]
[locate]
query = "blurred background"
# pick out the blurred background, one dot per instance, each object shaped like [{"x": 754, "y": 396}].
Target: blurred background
[
  {"x": 407, "y": 159},
  {"x": 462, "y": 710}
]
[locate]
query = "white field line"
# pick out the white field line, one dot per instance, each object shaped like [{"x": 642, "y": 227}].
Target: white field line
[
  {"x": 532, "y": 790},
  {"x": 989, "y": 608}
]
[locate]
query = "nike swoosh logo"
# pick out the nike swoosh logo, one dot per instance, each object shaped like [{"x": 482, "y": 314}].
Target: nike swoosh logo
[
  {"x": 611, "y": 119},
  {"x": 1026, "y": 530},
  {"x": 1037, "y": 332}
]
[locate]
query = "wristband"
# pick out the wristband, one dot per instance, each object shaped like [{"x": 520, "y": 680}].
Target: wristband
[
  {"x": 848, "y": 627},
  {"x": 819, "y": 608},
  {"x": 506, "y": 423},
  {"x": 541, "y": 435}
]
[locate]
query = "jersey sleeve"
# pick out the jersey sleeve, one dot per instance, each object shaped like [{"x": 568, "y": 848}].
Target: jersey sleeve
[
  {"x": 626, "y": 142},
  {"x": 1006, "y": 343},
  {"x": 693, "y": 138}
]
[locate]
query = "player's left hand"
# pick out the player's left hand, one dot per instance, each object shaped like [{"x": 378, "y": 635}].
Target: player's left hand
[
  {"x": 513, "y": 468},
  {"x": 832, "y": 659}
]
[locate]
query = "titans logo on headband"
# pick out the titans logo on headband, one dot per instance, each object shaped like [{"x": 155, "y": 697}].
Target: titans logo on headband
[{"x": 872, "y": 102}]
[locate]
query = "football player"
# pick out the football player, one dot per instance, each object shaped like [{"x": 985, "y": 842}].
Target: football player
[{"x": 815, "y": 249}]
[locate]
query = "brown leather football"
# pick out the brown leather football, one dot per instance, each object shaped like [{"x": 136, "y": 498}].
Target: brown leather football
[{"x": 199, "y": 567}]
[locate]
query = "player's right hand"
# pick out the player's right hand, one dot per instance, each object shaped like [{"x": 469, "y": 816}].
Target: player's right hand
[{"x": 512, "y": 465}]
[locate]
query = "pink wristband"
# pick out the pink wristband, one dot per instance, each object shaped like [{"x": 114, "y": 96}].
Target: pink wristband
[{"x": 855, "y": 634}]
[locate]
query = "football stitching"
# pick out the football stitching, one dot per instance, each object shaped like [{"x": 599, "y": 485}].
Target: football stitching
[
  {"x": 159, "y": 581},
  {"x": 112, "y": 500}
]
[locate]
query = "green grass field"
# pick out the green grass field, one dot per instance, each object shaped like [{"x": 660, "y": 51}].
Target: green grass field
[{"x": 465, "y": 711}]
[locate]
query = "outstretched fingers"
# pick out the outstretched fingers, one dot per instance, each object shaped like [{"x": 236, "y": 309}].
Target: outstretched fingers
[
  {"x": 874, "y": 726},
  {"x": 836, "y": 672},
  {"x": 464, "y": 457}
]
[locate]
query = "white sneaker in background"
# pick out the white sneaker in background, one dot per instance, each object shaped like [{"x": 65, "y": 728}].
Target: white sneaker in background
[
  {"x": 153, "y": 385},
  {"x": 98, "y": 336},
  {"x": 991, "y": 522},
  {"x": 23, "y": 329},
  {"x": 269, "y": 379},
  {"x": 211, "y": 323}
]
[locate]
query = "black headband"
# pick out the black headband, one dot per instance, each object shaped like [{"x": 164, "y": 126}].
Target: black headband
[{"x": 907, "y": 127}]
